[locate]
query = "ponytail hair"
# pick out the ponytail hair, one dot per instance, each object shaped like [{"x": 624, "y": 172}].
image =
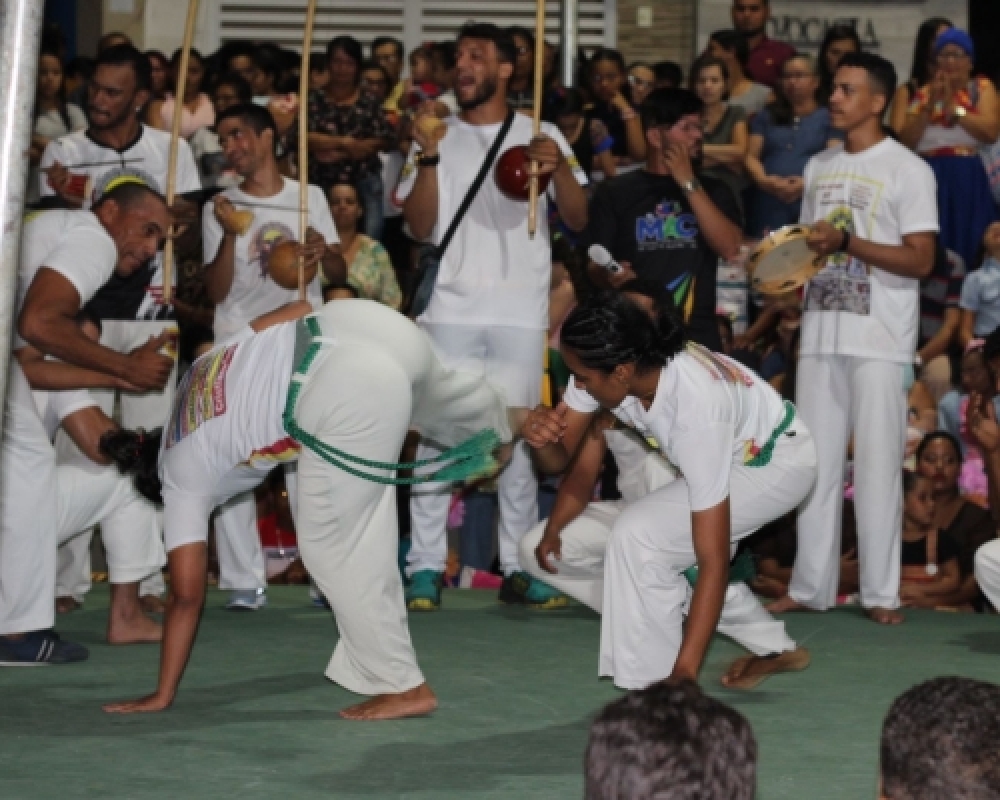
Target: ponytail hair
[
  {"x": 136, "y": 453},
  {"x": 608, "y": 329}
]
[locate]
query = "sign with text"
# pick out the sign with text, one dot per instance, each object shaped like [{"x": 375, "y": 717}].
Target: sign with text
[{"x": 888, "y": 28}]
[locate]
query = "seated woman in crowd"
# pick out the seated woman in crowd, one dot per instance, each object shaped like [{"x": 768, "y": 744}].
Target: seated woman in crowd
[
  {"x": 947, "y": 122},
  {"x": 783, "y": 137},
  {"x": 607, "y": 84},
  {"x": 641, "y": 81},
  {"x": 930, "y": 556},
  {"x": 980, "y": 302},
  {"x": 369, "y": 270},
  {"x": 939, "y": 459},
  {"x": 724, "y": 145},
  {"x": 838, "y": 42},
  {"x": 197, "y": 110},
  {"x": 953, "y": 417},
  {"x": 592, "y": 144},
  {"x": 54, "y": 116},
  {"x": 347, "y": 131},
  {"x": 732, "y": 48},
  {"x": 924, "y": 66}
]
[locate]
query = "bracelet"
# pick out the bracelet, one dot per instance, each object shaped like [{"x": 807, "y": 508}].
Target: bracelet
[
  {"x": 628, "y": 115},
  {"x": 845, "y": 242},
  {"x": 428, "y": 161}
]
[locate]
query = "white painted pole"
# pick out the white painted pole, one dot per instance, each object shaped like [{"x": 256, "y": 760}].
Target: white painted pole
[
  {"x": 20, "y": 37},
  {"x": 568, "y": 39}
]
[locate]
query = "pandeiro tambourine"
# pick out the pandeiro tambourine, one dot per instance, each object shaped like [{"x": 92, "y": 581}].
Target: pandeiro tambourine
[{"x": 782, "y": 261}]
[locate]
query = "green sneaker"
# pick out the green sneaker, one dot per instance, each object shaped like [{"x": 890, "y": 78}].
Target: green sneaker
[
  {"x": 424, "y": 591},
  {"x": 522, "y": 589}
]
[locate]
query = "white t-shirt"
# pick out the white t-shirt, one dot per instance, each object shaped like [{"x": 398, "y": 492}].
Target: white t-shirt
[
  {"x": 253, "y": 291},
  {"x": 641, "y": 469},
  {"x": 72, "y": 243},
  {"x": 881, "y": 195},
  {"x": 703, "y": 422},
  {"x": 228, "y": 410},
  {"x": 492, "y": 273},
  {"x": 146, "y": 159},
  {"x": 54, "y": 407}
]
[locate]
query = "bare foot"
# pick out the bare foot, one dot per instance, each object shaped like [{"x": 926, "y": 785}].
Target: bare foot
[
  {"x": 414, "y": 703},
  {"x": 784, "y": 604},
  {"x": 134, "y": 629},
  {"x": 143, "y": 705},
  {"x": 750, "y": 671},
  {"x": 152, "y": 604},
  {"x": 66, "y": 604},
  {"x": 885, "y": 616}
]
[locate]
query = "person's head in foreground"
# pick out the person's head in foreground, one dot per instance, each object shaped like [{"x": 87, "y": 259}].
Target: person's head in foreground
[
  {"x": 940, "y": 741},
  {"x": 670, "y": 742},
  {"x": 610, "y": 344}
]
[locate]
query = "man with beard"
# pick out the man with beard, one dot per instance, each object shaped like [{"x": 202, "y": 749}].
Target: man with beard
[
  {"x": 119, "y": 148},
  {"x": 665, "y": 223},
  {"x": 767, "y": 56},
  {"x": 489, "y": 307}
]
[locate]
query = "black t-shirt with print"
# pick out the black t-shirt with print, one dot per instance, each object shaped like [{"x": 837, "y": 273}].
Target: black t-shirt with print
[{"x": 646, "y": 220}]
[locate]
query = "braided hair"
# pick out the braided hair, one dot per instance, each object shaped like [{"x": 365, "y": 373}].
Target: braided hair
[
  {"x": 136, "y": 453},
  {"x": 608, "y": 329}
]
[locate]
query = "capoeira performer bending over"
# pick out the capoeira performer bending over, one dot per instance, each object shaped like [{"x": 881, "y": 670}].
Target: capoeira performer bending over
[
  {"x": 363, "y": 376},
  {"x": 744, "y": 457}
]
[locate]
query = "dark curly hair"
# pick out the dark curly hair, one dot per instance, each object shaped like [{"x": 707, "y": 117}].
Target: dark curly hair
[
  {"x": 670, "y": 741},
  {"x": 608, "y": 329},
  {"x": 136, "y": 453},
  {"x": 939, "y": 740}
]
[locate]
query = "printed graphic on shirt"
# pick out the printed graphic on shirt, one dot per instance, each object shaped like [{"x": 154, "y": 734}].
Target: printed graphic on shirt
[
  {"x": 201, "y": 395},
  {"x": 281, "y": 452},
  {"x": 668, "y": 227},
  {"x": 266, "y": 238},
  {"x": 844, "y": 284}
]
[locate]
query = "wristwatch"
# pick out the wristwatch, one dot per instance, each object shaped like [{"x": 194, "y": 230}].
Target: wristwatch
[
  {"x": 690, "y": 186},
  {"x": 428, "y": 161}
]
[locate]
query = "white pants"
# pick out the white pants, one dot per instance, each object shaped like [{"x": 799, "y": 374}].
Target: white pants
[
  {"x": 512, "y": 359},
  {"x": 237, "y": 539},
  {"x": 645, "y": 592},
  {"x": 42, "y": 504},
  {"x": 988, "y": 571},
  {"x": 835, "y": 396},
  {"x": 149, "y": 410},
  {"x": 581, "y": 576}
]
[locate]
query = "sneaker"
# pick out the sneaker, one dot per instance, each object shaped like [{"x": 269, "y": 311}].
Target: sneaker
[
  {"x": 39, "y": 649},
  {"x": 424, "y": 591},
  {"x": 520, "y": 588},
  {"x": 247, "y": 600}
]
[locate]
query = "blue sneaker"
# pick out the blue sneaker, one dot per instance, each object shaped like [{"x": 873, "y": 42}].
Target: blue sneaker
[
  {"x": 424, "y": 591},
  {"x": 40, "y": 649},
  {"x": 247, "y": 600}
]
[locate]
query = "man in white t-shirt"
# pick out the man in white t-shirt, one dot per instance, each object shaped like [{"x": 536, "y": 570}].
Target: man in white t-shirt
[
  {"x": 78, "y": 169},
  {"x": 66, "y": 256},
  {"x": 873, "y": 210},
  {"x": 238, "y": 282},
  {"x": 489, "y": 307}
]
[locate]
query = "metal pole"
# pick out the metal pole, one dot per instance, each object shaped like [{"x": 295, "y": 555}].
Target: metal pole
[
  {"x": 568, "y": 39},
  {"x": 20, "y": 36}
]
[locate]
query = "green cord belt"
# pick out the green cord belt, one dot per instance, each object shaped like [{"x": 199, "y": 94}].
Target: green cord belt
[
  {"x": 763, "y": 458},
  {"x": 469, "y": 460}
]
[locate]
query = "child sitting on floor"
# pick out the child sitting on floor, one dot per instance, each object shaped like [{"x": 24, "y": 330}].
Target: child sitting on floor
[{"x": 930, "y": 556}]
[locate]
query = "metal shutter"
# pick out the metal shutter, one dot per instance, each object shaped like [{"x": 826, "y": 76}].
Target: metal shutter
[
  {"x": 413, "y": 21},
  {"x": 441, "y": 19},
  {"x": 282, "y": 21}
]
